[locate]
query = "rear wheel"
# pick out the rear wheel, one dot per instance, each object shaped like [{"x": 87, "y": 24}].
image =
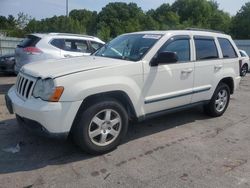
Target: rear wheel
[
  {"x": 244, "y": 70},
  {"x": 219, "y": 102},
  {"x": 101, "y": 127}
]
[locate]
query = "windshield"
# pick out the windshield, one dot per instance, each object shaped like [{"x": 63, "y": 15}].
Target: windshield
[{"x": 130, "y": 47}]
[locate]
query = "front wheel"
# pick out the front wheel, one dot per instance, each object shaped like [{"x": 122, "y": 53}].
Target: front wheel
[
  {"x": 219, "y": 102},
  {"x": 100, "y": 128}
]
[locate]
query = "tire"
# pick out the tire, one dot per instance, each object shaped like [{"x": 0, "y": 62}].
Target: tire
[
  {"x": 244, "y": 70},
  {"x": 101, "y": 127},
  {"x": 219, "y": 102}
]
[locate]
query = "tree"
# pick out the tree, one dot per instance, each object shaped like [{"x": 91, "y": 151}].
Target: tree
[
  {"x": 220, "y": 20},
  {"x": 166, "y": 18},
  {"x": 86, "y": 18},
  {"x": 22, "y": 20},
  {"x": 201, "y": 14},
  {"x": 118, "y": 18},
  {"x": 3, "y": 23},
  {"x": 240, "y": 27},
  {"x": 55, "y": 24},
  {"x": 7, "y": 23},
  {"x": 193, "y": 12}
]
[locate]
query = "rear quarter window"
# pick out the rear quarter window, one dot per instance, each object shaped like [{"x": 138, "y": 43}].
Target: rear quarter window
[
  {"x": 205, "y": 49},
  {"x": 227, "y": 48},
  {"x": 29, "y": 41},
  {"x": 58, "y": 43},
  {"x": 95, "y": 45}
]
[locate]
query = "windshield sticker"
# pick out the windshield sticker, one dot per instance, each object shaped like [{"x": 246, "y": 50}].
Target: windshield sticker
[{"x": 152, "y": 37}]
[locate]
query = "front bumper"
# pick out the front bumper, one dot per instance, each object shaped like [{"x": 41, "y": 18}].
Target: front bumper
[
  {"x": 53, "y": 117},
  {"x": 38, "y": 129}
]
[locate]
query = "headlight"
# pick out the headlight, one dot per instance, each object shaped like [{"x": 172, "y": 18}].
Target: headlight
[{"x": 46, "y": 90}]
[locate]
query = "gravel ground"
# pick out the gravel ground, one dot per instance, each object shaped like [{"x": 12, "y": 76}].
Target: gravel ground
[{"x": 185, "y": 149}]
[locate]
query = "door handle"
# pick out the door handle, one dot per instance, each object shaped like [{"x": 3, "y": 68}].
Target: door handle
[
  {"x": 67, "y": 55},
  {"x": 218, "y": 67},
  {"x": 187, "y": 71}
]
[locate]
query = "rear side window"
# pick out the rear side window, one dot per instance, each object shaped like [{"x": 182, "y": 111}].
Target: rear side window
[
  {"x": 59, "y": 43},
  {"x": 227, "y": 48},
  {"x": 205, "y": 49},
  {"x": 71, "y": 45},
  {"x": 29, "y": 41}
]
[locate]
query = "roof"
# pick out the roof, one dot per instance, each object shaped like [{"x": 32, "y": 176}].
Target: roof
[
  {"x": 42, "y": 35},
  {"x": 185, "y": 31}
]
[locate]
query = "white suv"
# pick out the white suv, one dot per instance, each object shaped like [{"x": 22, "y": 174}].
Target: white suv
[
  {"x": 135, "y": 76},
  {"x": 40, "y": 47}
]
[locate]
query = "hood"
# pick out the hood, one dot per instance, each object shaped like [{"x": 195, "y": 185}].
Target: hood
[{"x": 61, "y": 67}]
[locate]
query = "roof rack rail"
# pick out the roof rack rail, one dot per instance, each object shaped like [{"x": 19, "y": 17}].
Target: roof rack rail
[
  {"x": 71, "y": 34},
  {"x": 206, "y": 30}
]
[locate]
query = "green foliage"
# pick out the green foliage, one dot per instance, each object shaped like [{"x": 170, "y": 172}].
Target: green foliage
[
  {"x": 86, "y": 19},
  {"x": 55, "y": 24},
  {"x": 117, "y": 18},
  {"x": 165, "y": 17},
  {"x": 22, "y": 20},
  {"x": 240, "y": 27}
]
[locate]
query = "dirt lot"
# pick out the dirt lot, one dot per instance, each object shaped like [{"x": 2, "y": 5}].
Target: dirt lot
[{"x": 185, "y": 149}]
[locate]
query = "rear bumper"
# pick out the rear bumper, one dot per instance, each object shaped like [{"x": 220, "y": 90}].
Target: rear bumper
[{"x": 237, "y": 82}]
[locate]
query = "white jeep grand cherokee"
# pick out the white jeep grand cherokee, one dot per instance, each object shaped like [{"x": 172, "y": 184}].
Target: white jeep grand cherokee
[{"x": 135, "y": 76}]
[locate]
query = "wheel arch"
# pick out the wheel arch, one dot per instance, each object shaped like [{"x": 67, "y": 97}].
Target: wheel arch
[
  {"x": 120, "y": 96},
  {"x": 230, "y": 82}
]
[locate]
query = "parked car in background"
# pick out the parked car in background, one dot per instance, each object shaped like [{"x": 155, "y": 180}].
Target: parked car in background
[
  {"x": 245, "y": 67},
  {"x": 37, "y": 47},
  {"x": 7, "y": 63}
]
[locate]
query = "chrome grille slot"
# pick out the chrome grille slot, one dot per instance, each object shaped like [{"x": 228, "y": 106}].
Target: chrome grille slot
[{"x": 24, "y": 86}]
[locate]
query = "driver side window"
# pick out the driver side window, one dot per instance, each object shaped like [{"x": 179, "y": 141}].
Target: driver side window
[{"x": 180, "y": 46}]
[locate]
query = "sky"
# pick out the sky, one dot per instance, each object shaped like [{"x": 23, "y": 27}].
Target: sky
[{"x": 47, "y": 8}]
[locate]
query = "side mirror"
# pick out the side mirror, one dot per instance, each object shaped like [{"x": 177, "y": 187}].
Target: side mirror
[{"x": 164, "y": 58}]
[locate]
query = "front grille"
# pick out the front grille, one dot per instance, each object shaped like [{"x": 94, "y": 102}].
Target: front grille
[{"x": 24, "y": 86}]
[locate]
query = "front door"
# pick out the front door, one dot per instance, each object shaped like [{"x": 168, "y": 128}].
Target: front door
[{"x": 170, "y": 85}]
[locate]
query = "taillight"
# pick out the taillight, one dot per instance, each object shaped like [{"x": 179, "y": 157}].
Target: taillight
[
  {"x": 32, "y": 50},
  {"x": 240, "y": 64}
]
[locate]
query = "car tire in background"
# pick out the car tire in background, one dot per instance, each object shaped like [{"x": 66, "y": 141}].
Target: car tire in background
[{"x": 244, "y": 70}]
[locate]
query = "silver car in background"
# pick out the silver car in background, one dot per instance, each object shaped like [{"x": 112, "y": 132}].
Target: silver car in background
[{"x": 37, "y": 47}]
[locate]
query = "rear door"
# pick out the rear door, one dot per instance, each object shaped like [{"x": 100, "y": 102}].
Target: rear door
[{"x": 208, "y": 67}]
